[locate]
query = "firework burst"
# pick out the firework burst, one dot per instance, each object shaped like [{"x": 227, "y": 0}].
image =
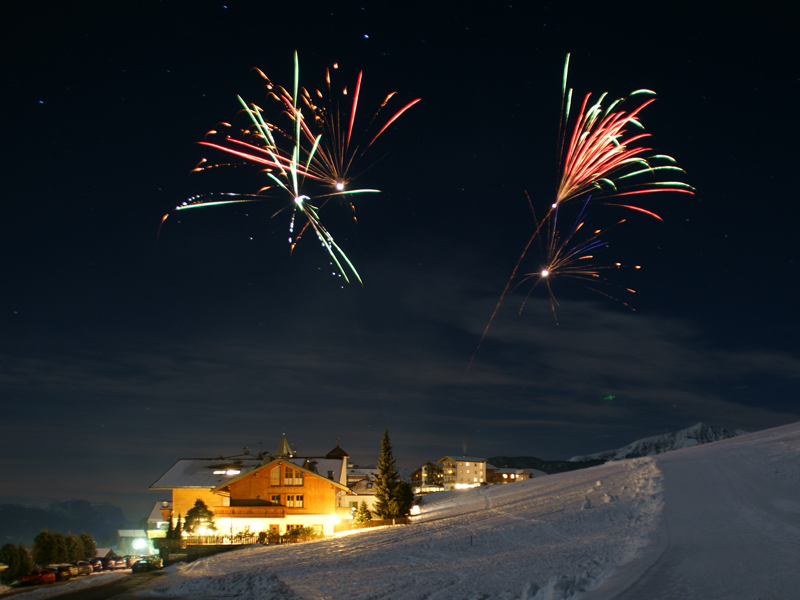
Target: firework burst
[
  {"x": 294, "y": 156},
  {"x": 604, "y": 157}
]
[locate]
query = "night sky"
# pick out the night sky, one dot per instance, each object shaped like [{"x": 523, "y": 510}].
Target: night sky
[{"x": 119, "y": 355}]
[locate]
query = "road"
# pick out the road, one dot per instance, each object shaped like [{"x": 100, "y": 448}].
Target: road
[{"x": 123, "y": 588}]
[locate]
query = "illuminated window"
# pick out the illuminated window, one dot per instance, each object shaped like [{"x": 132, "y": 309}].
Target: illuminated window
[
  {"x": 467, "y": 464},
  {"x": 474, "y": 479},
  {"x": 512, "y": 476},
  {"x": 298, "y": 501},
  {"x": 290, "y": 501},
  {"x": 275, "y": 476},
  {"x": 298, "y": 478},
  {"x": 275, "y": 498},
  {"x": 227, "y": 472},
  {"x": 505, "y": 476},
  {"x": 287, "y": 476}
]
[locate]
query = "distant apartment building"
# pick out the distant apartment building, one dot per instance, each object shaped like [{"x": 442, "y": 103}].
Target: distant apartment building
[
  {"x": 428, "y": 478},
  {"x": 460, "y": 472},
  {"x": 499, "y": 476}
]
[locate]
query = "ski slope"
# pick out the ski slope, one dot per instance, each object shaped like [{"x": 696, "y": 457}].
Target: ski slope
[{"x": 715, "y": 521}]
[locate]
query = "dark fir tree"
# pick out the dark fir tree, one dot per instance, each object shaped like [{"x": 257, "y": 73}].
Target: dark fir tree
[
  {"x": 89, "y": 545},
  {"x": 179, "y": 528},
  {"x": 199, "y": 516},
  {"x": 75, "y": 549},
  {"x": 405, "y": 498},
  {"x": 386, "y": 482},
  {"x": 61, "y": 548},
  {"x": 171, "y": 529},
  {"x": 363, "y": 514},
  {"x": 25, "y": 560},
  {"x": 9, "y": 554},
  {"x": 44, "y": 548}
]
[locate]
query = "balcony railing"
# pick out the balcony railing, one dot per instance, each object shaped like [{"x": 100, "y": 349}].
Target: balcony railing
[{"x": 256, "y": 512}]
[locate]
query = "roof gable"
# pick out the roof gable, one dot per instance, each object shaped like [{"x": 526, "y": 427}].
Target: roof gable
[{"x": 270, "y": 465}]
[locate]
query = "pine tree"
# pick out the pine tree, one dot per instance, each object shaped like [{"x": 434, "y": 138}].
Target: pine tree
[
  {"x": 179, "y": 528},
  {"x": 199, "y": 516},
  {"x": 386, "y": 482},
  {"x": 61, "y": 548},
  {"x": 9, "y": 554},
  {"x": 363, "y": 514},
  {"x": 171, "y": 529},
  {"x": 44, "y": 548},
  {"x": 89, "y": 546},
  {"x": 25, "y": 560},
  {"x": 405, "y": 498},
  {"x": 75, "y": 549}
]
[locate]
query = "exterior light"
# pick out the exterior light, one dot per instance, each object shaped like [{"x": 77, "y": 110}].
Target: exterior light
[{"x": 139, "y": 543}]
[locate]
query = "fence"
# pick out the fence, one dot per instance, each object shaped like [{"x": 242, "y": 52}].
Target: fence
[
  {"x": 239, "y": 539},
  {"x": 367, "y": 524}
]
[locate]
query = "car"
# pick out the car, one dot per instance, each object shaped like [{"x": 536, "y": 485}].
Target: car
[
  {"x": 61, "y": 572},
  {"x": 97, "y": 564},
  {"x": 109, "y": 564},
  {"x": 146, "y": 564},
  {"x": 73, "y": 570},
  {"x": 84, "y": 567},
  {"x": 132, "y": 558},
  {"x": 120, "y": 563},
  {"x": 38, "y": 576}
]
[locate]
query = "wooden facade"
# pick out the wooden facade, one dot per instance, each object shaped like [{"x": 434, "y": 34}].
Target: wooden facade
[{"x": 279, "y": 496}]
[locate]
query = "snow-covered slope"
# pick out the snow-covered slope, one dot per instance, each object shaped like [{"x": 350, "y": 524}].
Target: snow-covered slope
[
  {"x": 685, "y": 438},
  {"x": 494, "y": 542},
  {"x": 720, "y": 520}
]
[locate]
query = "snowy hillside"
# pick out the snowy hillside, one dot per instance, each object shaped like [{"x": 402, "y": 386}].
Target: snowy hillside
[
  {"x": 492, "y": 542},
  {"x": 720, "y": 520},
  {"x": 685, "y": 438}
]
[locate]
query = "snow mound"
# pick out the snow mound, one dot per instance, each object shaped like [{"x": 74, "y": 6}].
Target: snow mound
[{"x": 247, "y": 585}]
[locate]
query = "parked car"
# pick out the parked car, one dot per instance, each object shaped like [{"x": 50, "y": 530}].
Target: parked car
[
  {"x": 120, "y": 563},
  {"x": 109, "y": 563},
  {"x": 38, "y": 576},
  {"x": 97, "y": 564},
  {"x": 61, "y": 572},
  {"x": 132, "y": 558},
  {"x": 146, "y": 564},
  {"x": 73, "y": 570},
  {"x": 84, "y": 567}
]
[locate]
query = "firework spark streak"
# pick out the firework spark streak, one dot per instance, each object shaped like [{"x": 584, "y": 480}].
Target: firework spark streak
[
  {"x": 601, "y": 158},
  {"x": 566, "y": 257},
  {"x": 291, "y": 156}
]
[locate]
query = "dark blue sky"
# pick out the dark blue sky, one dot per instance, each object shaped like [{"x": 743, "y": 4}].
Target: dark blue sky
[{"x": 119, "y": 355}]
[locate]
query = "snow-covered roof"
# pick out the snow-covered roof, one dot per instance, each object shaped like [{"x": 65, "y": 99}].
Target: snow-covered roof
[
  {"x": 321, "y": 466},
  {"x": 462, "y": 458},
  {"x": 362, "y": 472},
  {"x": 205, "y": 473},
  {"x": 131, "y": 533},
  {"x": 155, "y": 513},
  {"x": 363, "y": 488}
]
